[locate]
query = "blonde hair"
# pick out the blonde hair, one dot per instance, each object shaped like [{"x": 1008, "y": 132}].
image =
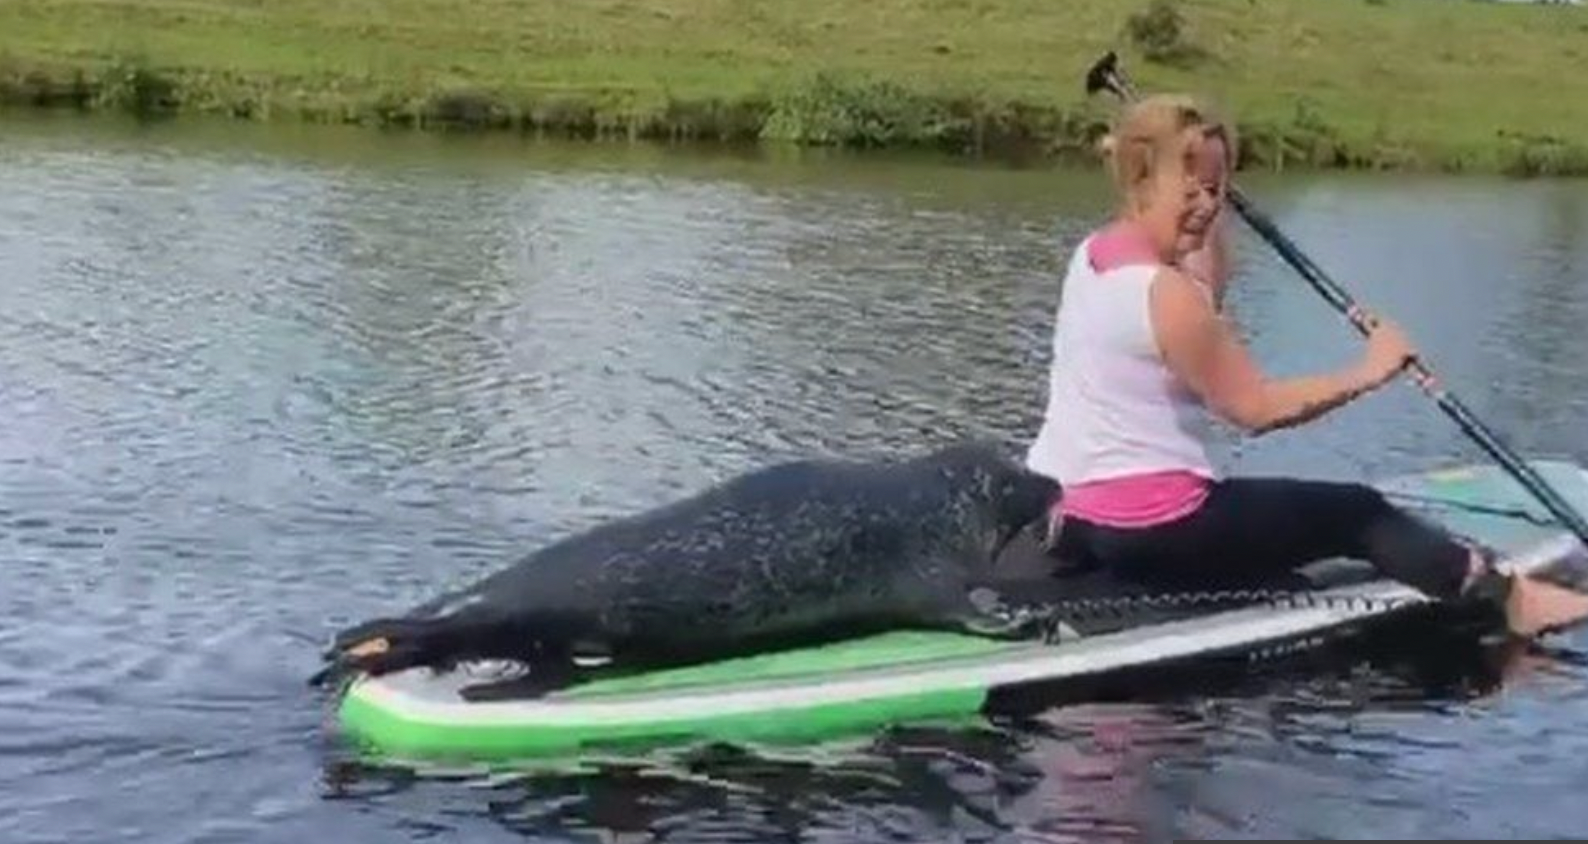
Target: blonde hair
[{"x": 1151, "y": 134}]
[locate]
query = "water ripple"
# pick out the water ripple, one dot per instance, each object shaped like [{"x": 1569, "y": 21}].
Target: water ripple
[{"x": 255, "y": 393}]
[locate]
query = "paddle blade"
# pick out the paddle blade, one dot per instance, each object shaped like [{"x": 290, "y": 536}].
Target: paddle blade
[{"x": 1103, "y": 73}]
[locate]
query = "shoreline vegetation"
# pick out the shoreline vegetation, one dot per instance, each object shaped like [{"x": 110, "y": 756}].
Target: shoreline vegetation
[{"x": 1445, "y": 85}]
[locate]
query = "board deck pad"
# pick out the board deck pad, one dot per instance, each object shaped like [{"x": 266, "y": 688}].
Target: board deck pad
[{"x": 905, "y": 676}]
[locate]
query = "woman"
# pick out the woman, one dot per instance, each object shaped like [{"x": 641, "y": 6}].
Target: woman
[{"x": 1139, "y": 348}]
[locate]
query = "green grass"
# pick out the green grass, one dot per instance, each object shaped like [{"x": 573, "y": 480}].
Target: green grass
[{"x": 1450, "y": 84}]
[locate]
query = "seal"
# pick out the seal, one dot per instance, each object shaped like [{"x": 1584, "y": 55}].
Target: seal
[{"x": 795, "y": 554}]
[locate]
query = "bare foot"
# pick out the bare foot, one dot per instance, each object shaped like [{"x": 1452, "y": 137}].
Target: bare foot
[{"x": 1535, "y": 607}]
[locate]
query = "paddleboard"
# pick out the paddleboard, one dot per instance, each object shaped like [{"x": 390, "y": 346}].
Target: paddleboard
[{"x": 908, "y": 676}]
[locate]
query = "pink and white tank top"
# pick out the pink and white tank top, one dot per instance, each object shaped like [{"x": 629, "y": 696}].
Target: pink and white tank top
[{"x": 1117, "y": 433}]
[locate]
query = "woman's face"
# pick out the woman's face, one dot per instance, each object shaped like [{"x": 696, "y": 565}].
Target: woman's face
[
  {"x": 1185, "y": 195},
  {"x": 1209, "y": 181},
  {"x": 1212, "y": 166}
]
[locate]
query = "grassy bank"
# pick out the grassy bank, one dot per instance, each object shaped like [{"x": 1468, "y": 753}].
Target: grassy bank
[{"x": 1450, "y": 84}]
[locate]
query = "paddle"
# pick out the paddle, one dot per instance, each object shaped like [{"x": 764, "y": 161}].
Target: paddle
[{"x": 1106, "y": 74}]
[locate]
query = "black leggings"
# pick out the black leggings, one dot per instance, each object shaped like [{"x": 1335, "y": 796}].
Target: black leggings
[{"x": 1254, "y": 530}]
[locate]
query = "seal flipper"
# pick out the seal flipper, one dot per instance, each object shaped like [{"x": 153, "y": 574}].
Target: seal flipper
[
  {"x": 543, "y": 678},
  {"x": 548, "y": 673},
  {"x": 985, "y": 613}
]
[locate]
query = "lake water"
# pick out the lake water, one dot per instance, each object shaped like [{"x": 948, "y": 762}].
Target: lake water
[{"x": 258, "y": 383}]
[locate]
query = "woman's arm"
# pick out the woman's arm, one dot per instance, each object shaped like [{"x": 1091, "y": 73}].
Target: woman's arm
[{"x": 1199, "y": 347}]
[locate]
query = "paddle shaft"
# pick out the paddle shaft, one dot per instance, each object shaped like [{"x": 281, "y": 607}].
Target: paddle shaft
[
  {"x": 1452, "y": 406},
  {"x": 1345, "y": 304}
]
